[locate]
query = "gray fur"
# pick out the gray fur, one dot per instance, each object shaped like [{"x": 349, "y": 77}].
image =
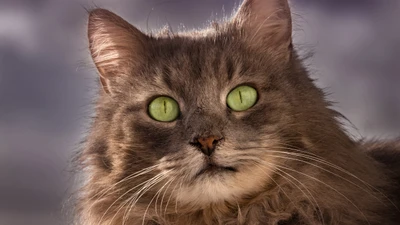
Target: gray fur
[{"x": 291, "y": 162}]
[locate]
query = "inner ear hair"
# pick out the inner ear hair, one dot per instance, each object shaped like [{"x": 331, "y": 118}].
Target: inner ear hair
[{"x": 116, "y": 46}]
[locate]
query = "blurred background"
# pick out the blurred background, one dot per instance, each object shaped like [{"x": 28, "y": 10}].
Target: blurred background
[{"x": 47, "y": 80}]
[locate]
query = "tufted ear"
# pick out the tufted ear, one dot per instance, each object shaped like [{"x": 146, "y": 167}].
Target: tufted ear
[
  {"x": 116, "y": 46},
  {"x": 266, "y": 22}
]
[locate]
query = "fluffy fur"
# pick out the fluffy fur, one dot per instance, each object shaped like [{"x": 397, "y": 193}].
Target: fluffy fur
[{"x": 284, "y": 161}]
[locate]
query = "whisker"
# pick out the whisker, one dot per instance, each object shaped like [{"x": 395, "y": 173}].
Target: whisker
[
  {"x": 162, "y": 199},
  {"x": 121, "y": 196},
  {"x": 330, "y": 172},
  {"x": 313, "y": 201},
  {"x": 327, "y": 185},
  {"x": 136, "y": 174},
  {"x": 270, "y": 177},
  {"x": 106, "y": 191},
  {"x": 173, "y": 190},
  {"x": 128, "y": 201},
  {"x": 176, "y": 199},
  {"x": 327, "y": 163},
  {"x": 358, "y": 179},
  {"x": 157, "y": 194},
  {"x": 138, "y": 194}
]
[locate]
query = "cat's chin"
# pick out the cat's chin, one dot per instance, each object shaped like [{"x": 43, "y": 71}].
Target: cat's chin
[
  {"x": 202, "y": 181},
  {"x": 217, "y": 184}
]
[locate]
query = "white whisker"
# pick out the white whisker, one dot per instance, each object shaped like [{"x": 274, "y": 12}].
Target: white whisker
[
  {"x": 130, "y": 177},
  {"x": 138, "y": 194},
  {"x": 313, "y": 201},
  {"x": 157, "y": 194},
  {"x": 327, "y": 185}
]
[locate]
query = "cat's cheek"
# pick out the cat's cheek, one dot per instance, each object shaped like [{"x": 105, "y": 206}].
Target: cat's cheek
[{"x": 181, "y": 165}]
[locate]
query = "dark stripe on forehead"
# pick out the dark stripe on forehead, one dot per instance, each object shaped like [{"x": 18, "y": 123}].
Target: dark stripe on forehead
[
  {"x": 230, "y": 68},
  {"x": 166, "y": 76},
  {"x": 244, "y": 67},
  {"x": 196, "y": 62}
]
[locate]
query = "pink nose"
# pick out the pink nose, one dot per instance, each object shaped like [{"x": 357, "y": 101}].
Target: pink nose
[{"x": 207, "y": 144}]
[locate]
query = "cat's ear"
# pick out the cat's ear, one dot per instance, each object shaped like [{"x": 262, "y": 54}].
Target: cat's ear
[
  {"x": 266, "y": 22},
  {"x": 116, "y": 46}
]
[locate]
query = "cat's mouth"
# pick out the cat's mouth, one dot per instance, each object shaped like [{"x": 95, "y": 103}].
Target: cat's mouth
[{"x": 211, "y": 168}]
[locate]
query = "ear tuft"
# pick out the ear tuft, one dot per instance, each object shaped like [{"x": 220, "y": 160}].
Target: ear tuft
[
  {"x": 265, "y": 22},
  {"x": 115, "y": 45}
]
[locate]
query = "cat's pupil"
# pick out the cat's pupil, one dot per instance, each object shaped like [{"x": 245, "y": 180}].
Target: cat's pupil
[
  {"x": 242, "y": 98},
  {"x": 163, "y": 109}
]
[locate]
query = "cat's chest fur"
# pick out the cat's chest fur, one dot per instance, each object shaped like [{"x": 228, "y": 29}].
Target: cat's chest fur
[{"x": 287, "y": 203}]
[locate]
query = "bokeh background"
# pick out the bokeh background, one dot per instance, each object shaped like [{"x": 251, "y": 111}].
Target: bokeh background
[{"x": 47, "y": 81}]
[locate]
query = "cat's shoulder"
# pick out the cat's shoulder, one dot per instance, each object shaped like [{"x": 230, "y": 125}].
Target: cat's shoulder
[{"x": 386, "y": 152}]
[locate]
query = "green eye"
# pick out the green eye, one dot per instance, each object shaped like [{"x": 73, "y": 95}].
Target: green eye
[
  {"x": 164, "y": 109},
  {"x": 242, "y": 98}
]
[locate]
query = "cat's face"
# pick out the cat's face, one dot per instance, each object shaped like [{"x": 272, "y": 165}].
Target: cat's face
[
  {"x": 199, "y": 75},
  {"x": 209, "y": 151}
]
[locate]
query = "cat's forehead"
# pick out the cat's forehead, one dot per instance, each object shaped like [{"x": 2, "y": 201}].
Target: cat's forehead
[
  {"x": 199, "y": 54},
  {"x": 198, "y": 69},
  {"x": 200, "y": 66}
]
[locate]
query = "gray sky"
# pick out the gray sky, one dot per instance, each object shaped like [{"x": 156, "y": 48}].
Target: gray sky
[{"x": 46, "y": 78}]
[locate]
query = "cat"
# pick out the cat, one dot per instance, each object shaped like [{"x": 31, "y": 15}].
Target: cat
[{"x": 223, "y": 126}]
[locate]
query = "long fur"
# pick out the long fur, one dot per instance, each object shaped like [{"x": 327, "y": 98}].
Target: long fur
[{"x": 291, "y": 161}]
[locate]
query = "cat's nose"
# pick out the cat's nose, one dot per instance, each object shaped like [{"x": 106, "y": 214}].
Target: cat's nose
[{"x": 207, "y": 144}]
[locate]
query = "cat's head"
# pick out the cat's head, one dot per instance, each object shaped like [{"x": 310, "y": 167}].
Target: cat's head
[{"x": 201, "y": 115}]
